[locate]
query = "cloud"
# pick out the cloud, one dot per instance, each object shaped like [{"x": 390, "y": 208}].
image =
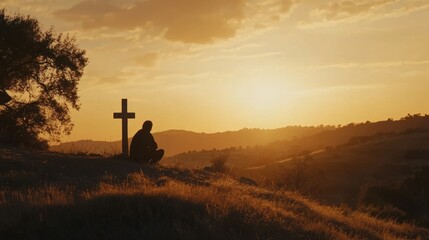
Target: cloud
[
  {"x": 407, "y": 8},
  {"x": 187, "y": 21},
  {"x": 147, "y": 60},
  {"x": 264, "y": 14},
  {"x": 90, "y": 13},
  {"x": 340, "y": 9},
  {"x": 375, "y": 64},
  {"x": 286, "y": 5},
  {"x": 110, "y": 79},
  {"x": 248, "y": 56},
  {"x": 342, "y": 88},
  {"x": 242, "y": 47},
  {"x": 355, "y": 10}
]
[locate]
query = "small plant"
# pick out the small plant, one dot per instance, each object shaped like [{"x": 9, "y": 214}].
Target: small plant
[{"x": 219, "y": 163}]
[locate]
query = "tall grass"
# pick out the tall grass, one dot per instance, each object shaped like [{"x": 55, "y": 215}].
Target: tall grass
[{"x": 144, "y": 208}]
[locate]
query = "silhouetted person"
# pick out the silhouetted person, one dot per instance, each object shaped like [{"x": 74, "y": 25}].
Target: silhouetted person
[{"x": 143, "y": 147}]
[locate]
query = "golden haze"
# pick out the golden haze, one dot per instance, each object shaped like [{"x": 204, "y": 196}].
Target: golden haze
[{"x": 227, "y": 64}]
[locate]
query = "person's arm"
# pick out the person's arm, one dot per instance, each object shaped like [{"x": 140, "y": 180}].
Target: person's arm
[{"x": 153, "y": 144}]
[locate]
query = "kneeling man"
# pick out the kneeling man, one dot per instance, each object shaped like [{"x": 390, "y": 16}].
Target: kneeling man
[{"x": 143, "y": 147}]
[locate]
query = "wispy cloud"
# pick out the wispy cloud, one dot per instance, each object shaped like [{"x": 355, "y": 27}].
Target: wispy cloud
[
  {"x": 147, "y": 60},
  {"x": 405, "y": 10},
  {"x": 339, "y": 9},
  {"x": 248, "y": 56},
  {"x": 241, "y": 48},
  {"x": 336, "y": 11},
  {"x": 342, "y": 88},
  {"x": 373, "y": 64}
]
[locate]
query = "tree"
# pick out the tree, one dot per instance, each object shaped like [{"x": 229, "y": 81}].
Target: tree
[
  {"x": 39, "y": 76},
  {"x": 296, "y": 174}
]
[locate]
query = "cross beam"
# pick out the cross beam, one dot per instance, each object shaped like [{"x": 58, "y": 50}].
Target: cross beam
[{"x": 124, "y": 115}]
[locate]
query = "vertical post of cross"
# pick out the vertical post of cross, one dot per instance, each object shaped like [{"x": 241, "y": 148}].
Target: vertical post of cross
[{"x": 124, "y": 115}]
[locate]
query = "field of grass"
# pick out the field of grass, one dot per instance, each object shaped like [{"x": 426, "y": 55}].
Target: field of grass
[{"x": 54, "y": 196}]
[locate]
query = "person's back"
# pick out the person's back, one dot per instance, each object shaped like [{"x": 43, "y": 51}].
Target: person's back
[
  {"x": 136, "y": 149},
  {"x": 143, "y": 146}
]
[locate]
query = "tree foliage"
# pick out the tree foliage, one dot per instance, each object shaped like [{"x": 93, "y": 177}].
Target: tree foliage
[{"x": 39, "y": 76}]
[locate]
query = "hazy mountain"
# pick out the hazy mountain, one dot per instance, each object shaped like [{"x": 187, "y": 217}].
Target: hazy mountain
[
  {"x": 283, "y": 149},
  {"x": 178, "y": 141}
]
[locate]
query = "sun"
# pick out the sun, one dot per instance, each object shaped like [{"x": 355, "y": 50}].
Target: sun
[{"x": 261, "y": 97}]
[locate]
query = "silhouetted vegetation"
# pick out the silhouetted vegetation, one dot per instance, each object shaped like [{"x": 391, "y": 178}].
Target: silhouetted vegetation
[
  {"x": 417, "y": 154},
  {"x": 409, "y": 201},
  {"x": 365, "y": 139},
  {"x": 296, "y": 176},
  {"x": 39, "y": 74},
  {"x": 219, "y": 163}
]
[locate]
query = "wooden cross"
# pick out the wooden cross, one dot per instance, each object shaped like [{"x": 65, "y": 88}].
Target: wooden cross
[{"x": 124, "y": 115}]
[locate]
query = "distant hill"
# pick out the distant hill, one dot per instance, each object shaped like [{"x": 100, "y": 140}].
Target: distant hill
[
  {"x": 178, "y": 141},
  {"x": 283, "y": 149}
]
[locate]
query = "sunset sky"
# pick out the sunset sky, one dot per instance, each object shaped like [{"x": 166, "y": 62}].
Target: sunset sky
[{"x": 218, "y": 65}]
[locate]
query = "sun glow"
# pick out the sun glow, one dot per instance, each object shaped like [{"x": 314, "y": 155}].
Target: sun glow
[
  {"x": 262, "y": 98},
  {"x": 196, "y": 69}
]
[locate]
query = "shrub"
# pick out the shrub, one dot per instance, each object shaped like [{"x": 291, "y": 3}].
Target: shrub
[{"x": 219, "y": 163}]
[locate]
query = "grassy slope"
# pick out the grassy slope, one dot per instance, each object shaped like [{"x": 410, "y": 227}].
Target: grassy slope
[
  {"x": 52, "y": 196},
  {"x": 336, "y": 176}
]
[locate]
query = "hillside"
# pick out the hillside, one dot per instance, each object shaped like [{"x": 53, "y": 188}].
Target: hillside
[
  {"x": 363, "y": 166},
  {"x": 178, "y": 141},
  {"x": 338, "y": 174},
  {"x": 56, "y": 196},
  {"x": 240, "y": 158}
]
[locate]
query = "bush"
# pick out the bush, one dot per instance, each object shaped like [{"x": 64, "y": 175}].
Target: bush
[
  {"x": 219, "y": 163},
  {"x": 409, "y": 201}
]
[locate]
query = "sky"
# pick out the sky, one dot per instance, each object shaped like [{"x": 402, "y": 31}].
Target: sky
[{"x": 219, "y": 65}]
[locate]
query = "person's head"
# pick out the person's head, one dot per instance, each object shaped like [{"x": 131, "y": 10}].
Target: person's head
[{"x": 147, "y": 126}]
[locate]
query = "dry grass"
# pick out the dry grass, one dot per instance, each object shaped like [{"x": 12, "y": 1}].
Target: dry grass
[
  {"x": 70, "y": 197},
  {"x": 169, "y": 209}
]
